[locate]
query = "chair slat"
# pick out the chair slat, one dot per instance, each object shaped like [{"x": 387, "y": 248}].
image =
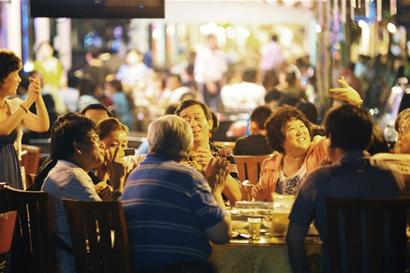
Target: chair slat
[
  {"x": 94, "y": 223},
  {"x": 374, "y": 238}
]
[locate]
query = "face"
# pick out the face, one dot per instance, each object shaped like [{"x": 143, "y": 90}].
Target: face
[
  {"x": 200, "y": 126},
  {"x": 96, "y": 115},
  {"x": 403, "y": 140},
  {"x": 92, "y": 150},
  {"x": 116, "y": 139},
  {"x": 297, "y": 138},
  {"x": 11, "y": 83}
]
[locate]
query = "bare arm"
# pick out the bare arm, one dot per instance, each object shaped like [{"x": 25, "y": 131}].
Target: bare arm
[
  {"x": 13, "y": 121},
  {"x": 39, "y": 122}
]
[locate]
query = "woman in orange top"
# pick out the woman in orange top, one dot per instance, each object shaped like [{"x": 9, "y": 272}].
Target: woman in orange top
[{"x": 296, "y": 152}]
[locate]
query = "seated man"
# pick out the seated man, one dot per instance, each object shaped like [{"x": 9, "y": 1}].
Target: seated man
[
  {"x": 96, "y": 112},
  {"x": 170, "y": 209},
  {"x": 349, "y": 130},
  {"x": 77, "y": 149},
  {"x": 256, "y": 143}
]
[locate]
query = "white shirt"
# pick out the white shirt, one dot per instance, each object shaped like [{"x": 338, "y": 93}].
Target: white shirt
[{"x": 210, "y": 65}]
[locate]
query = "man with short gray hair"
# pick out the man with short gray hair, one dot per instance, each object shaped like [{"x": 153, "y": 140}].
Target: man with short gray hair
[{"x": 170, "y": 209}]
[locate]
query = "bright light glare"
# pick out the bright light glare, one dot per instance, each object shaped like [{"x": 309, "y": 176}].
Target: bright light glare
[
  {"x": 318, "y": 28},
  {"x": 391, "y": 28},
  {"x": 362, "y": 24}
]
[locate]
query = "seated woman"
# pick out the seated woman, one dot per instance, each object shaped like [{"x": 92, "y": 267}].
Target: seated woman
[
  {"x": 199, "y": 117},
  {"x": 77, "y": 148},
  {"x": 296, "y": 153},
  {"x": 113, "y": 134}
]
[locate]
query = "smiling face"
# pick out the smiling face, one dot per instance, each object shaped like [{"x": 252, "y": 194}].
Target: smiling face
[
  {"x": 10, "y": 84},
  {"x": 200, "y": 125},
  {"x": 297, "y": 138}
]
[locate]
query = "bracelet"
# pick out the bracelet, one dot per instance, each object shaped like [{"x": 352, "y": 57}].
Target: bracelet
[{"x": 24, "y": 108}]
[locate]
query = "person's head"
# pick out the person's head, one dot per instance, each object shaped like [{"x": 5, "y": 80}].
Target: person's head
[
  {"x": 44, "y": 50},
  {"x": 10, "y": 66},
  {"x": 96, "y": 112},
  {"x": 274, "y": 37},
  {"x": 134, "y": 57},
  {"x": 113, "y": 134},
  {"x": 173, "y": 81},
  {"x": 113, "y": 85},
  {"x": 199, "y": 117},
  {"x": 309, "y": 109},
  {"x": 249, "y": 75},
  {"x": 349, "y": 128},
  {"x": 272, "y": 98},
  {"x": 403, "y": 132},
  {"x": 288, "y": 131},
  {"x": 171, "y": 136},
  {"x": 171, "y": 108},
  {"x": 74, "y": 138},
  {"x": 212, "y": 41},
  {"x": 288, "y": 100},
  {"x": 258, "y": 118}
]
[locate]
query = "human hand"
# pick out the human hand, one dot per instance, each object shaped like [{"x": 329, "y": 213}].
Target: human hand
[
  {"x": 34, "y": 89},
  {"x": 202, "y": 156},
  {"x": 345, "y": 93},
  {"x": 104, "y": 191},
  {"x": 116, "y": 167},
  {"x": 216, "y": 172}
]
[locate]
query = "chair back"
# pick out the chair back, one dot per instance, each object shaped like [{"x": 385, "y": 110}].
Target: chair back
[
  {"x": 249, "y": 167},
  {"x": 7, "y": 222},
  {"x": 30, "y": 159},
  {"x": 32, "y": 247},
  {"x": 367, "y": 236},
  {"x": 98, "y": 236}
]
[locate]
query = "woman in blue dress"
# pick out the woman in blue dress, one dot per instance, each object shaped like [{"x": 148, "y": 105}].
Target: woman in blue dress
[{"x": 14, "y": 113}]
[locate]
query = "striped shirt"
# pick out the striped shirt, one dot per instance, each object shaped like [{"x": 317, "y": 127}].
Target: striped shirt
[{"x": 167, "y": 207}]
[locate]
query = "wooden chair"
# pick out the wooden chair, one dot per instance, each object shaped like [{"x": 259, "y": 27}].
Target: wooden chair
[
  {"x": 7, "y": 222},
  {"x": 367, "y": 236},
  {"x": 249, "y": 167},
  {"x": 30, "y": 159},
  {"x": 32, "y": 249},
  {"x": 98, "y": 235}
]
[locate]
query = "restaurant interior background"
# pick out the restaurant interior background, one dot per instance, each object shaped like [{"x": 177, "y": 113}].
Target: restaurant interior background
[{"x": 331, "y": 34}]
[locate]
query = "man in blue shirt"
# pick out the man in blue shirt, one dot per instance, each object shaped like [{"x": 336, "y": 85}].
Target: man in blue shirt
[
  {"x": 171, "y": 210},
  {"x": 349, "y": 131}
]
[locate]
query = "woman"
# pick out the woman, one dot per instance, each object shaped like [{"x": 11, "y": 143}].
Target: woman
[
  {"x": 296, "y": 153},
  {"x": 199, "y": 117},
  {"x": 14, "y": 113},
  {"x": 113, "y": 135}
]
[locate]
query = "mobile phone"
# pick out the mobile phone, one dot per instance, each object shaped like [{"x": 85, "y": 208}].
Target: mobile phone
[{"x": 128, "y": 152}]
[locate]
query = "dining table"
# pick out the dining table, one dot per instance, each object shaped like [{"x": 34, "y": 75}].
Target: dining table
[{"x": 266, "y": 254}]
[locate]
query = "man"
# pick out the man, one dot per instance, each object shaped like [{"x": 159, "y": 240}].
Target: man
[
  {"x": 170, "y": 209},
  {"x": 349, "y": 130},
  {"x": 210, "y": 66},
  {"x": 256, "y": 143},
  {"x": 96, "y": 112}
]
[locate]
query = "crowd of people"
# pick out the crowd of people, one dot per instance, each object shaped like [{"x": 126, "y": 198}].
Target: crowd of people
[{"x": 174, "y": 200}]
